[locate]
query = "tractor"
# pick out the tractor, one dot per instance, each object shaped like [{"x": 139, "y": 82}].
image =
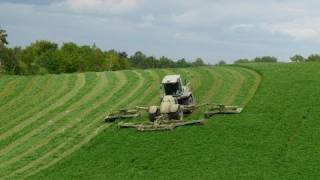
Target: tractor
[{"x": 176, "y": 99}]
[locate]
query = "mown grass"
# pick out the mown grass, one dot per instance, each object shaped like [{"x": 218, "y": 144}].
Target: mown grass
[
  {"x": 123, "y": 154},
  {"x": 276, "y": 137}
]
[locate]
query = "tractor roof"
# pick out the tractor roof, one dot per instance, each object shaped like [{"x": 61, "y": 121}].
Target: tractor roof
[{"x": 170, "y": 79}]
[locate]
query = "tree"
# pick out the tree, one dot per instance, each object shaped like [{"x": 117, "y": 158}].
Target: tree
[
  {"x": 221, "y": 62},
  {"x": 297, "y": 58},
  {"x": 267, "y": 59},
  {"x": 11, "y": 59},
  {"x": 3, "y": 37},
  {"x": 165, "y": 62},
  {"x": 113, "y": 59},
  {"x": 31, "y": 56},
  {"x": 313, "y": 58},
  {"x": 198, "y": 62},
  {"x": 239, "y": 61},
  {"x": 182, "y": 63},
  {"x": 3, "y": 49},
  {"x": 138, "y": 60},
  {"x": 70, "y": 58}
]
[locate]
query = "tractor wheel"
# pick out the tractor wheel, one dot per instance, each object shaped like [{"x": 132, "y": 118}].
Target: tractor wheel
[
  {"x": 152, "y": 116},
  {"x": 190, "y": 100},
  {"x": 177, "y": 115},
  {"x": 153, "y": 113},
  {"x": 180, "y": 114}
]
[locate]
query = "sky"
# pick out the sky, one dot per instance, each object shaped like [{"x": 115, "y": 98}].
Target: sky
[{"x": 211, "y": 29}]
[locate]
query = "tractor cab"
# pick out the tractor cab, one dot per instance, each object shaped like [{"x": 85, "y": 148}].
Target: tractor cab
[{"x": 172, "y": 85}]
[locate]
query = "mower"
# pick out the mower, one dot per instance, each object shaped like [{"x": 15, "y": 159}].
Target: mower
[{"x": 176, "y": 100}]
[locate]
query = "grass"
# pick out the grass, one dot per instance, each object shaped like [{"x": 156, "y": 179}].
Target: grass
[
  {"x": 53, "y": 119},
  {"x": 276, "y": 137}
]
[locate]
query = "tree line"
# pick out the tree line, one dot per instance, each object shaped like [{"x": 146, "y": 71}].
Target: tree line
[
  {"x": 41, "y": 57},
  {"x": 264, "y": 59},
  {"x": 269, "y": 59}
]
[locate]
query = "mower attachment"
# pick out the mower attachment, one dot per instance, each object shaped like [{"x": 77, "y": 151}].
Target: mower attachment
[
  {"x": 122, "y": 114},
  {"x": 160, "y": 125},
  {"x": 222, "y": 109}
]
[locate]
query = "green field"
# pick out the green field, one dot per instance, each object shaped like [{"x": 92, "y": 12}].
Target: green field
[{"x": 52, "y": 126}]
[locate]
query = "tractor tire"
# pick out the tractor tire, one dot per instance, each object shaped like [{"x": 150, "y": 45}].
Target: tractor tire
[
  {"x": 180, "y": 114},
  {"x": 154, "y": 111},
  {"x": 177, "y": 115},
  {"x": 152, "y": 117},
  {"x": 190, "y": 100}
]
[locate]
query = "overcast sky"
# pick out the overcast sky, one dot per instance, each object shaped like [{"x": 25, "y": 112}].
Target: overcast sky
[{"x": 211, "y": 29}]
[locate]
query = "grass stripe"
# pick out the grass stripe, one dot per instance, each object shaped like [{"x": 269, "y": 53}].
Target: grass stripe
[
  {"x": 148, "y": 81},
  {"x": 8, "y": 85},
  {"x": 5, "y": 82},
  {"x": 14, "y": 89},
  {"x": 45, "y": 141},
  {"x": 217, "y": 84},
  {"x": 257, "y": 80},
  {"x": 239, "y": 80},
  {"x": 68, "y": 82},
  {"x": 134, "y": 91},
  {"x": 31, "y": 90},
  {"x": 58, "y": 105},
  {"x": 29, "y": 98},
  {"x": 70, "y": 132},
  {"x": 44, "y": 126},
  {"x": 121, "y": 80}
]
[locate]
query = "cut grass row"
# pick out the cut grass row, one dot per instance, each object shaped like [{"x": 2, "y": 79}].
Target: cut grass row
[
  {"x": 93, "y": 132},
  {"x": 45, "y": 134},
  {"x": 121, "y": 80},
  {"x": 136, "y": 155},
  {"x": 62, "y": 86}
]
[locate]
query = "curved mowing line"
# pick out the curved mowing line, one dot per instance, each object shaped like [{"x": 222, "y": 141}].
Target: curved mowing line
[
  {"x": 45, "y": 126},
  {"x": 152, "y": 89},
  {"x": 97, "y": 121},
  {"x": 150, "y": 82},
  {"x": 115, "y": 90},
  {"x": 35, "y": 81},
  {"x": 54, "y": 94},
  {"x": 206, "y": 83},
  {"x": 239, "y": 79},
  {"x": 9, "y": 86},
  {"x": 33, "y": 98},
  {"x": 254, "y": 87},
  {"x": 223, "y": 86},
  {"x": 241, "y": 94},
  {"x": 15, "y": 89},
  {"x": 79, "y": 84},
  {"x": 131, "y": 94},
  {"x": 32, "y": 89},
  {"x": 58, "y": 131},
  {"x": 5, "y": 83},
  {"x": 153, "y": 97},
  {"x": 217, "y": 83},
  {"x": 139, "y": 88}
]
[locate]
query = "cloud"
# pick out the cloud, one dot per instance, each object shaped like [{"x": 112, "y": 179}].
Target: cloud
[
  {"x": 212, "y": 29},
  {"x": 103, "y": 6},
  {"x": 242, "y": 27},
  {"x": 300, "y": 29}
]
